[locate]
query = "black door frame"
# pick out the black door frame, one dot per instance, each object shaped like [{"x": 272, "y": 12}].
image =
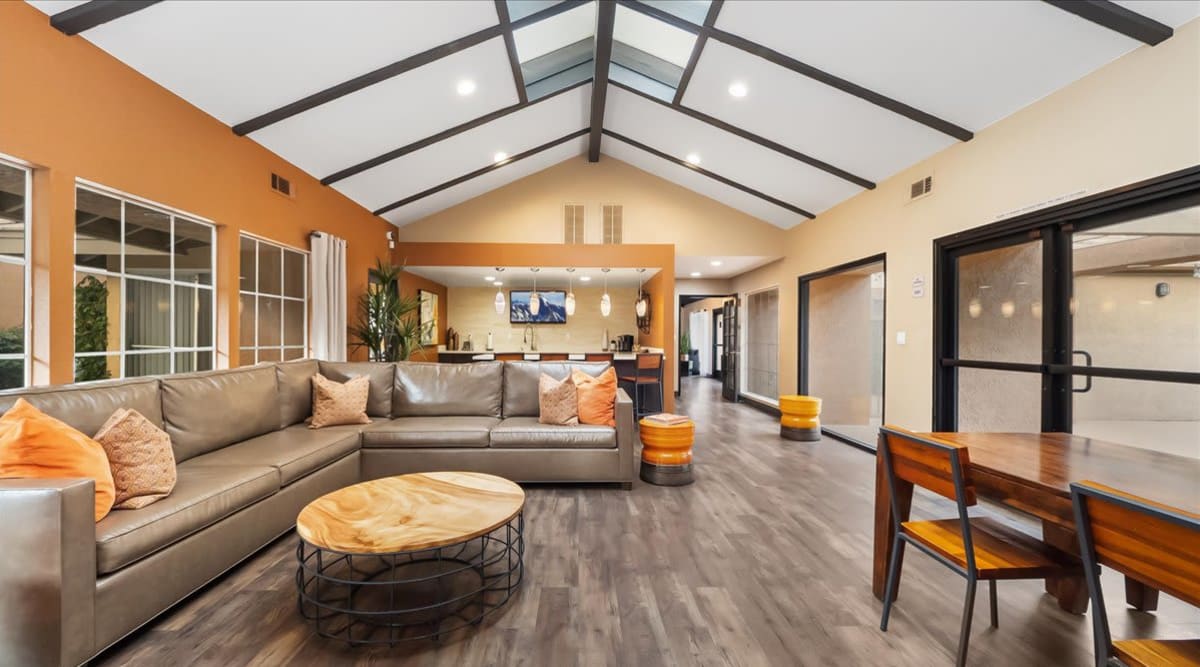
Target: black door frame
[
  {"x": 713, "y": 348},
  {"x": 802, "y": 321},
  {"x": 1054, "y": 226},
  {"x": 687, "y": 299}
]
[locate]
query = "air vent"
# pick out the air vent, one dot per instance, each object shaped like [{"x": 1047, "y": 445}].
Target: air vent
[
  {"x": 921, "y": 188},
  {"x": 573, "y": 223},
  {"x": 612, "y": 223},
  {"x": 281, "y": 185}
]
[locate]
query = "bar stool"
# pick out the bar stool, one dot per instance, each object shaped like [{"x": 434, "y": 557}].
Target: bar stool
[{"x": 647, "y": 374}]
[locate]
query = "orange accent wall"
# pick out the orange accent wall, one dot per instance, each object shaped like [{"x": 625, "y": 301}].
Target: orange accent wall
[
  {"x": 409, "y": 284},
  {"x": 74, "y": 111}
]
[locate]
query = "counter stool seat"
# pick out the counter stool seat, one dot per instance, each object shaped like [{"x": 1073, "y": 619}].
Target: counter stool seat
[{"x": 648, "y": 373}]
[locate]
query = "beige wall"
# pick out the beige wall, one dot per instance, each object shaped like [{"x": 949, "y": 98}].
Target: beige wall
[
  {"x": 472, "y": 311},
  {"x": 1133, "y": 119}
]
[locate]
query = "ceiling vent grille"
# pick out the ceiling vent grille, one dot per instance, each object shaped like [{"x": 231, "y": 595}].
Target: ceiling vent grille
[
  {"x": 573, "y": 223},
  {"x": 612, "y": 223},
  {"x": 921, "y": 188},
  {"x": 281, "y": 185}
]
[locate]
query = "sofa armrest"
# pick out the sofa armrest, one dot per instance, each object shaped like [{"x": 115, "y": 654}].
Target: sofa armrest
[
  {"x": 626, "y": 436},
  {"x": 47, "y": 571}
]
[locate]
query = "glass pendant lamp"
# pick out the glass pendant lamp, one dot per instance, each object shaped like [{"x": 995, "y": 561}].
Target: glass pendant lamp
[
  {"x": 570, "y": 292},
  {"x": 641, "y": 306},
  {"x": 535, "y": 301},
  {"x": 605, "y": 301},
  {"x": 499, "y": 294}
]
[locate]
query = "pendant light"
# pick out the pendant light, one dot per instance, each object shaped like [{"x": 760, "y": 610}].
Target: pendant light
[
  {"x": 499, "y": 293},
  {"x": 641, "y": 306},
  {"x": 535, "y": 301},
  {"x": 570, "y": 292},
  {"x": 605, "y": 301}
]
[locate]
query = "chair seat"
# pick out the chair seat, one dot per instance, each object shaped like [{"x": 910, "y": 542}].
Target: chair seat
[
  {"x": 638, "y": 380},
  {"x": 1000, "y": 552},
  {"x": 1158, "y": 652}
]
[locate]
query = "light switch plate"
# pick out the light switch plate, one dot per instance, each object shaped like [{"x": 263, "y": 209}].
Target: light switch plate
[{"x": 901, "y": 337}]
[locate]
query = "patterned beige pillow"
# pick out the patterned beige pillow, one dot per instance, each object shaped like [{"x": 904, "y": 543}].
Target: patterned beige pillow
[
  {"x": 140, "y": 457},
  {"x": 557, "y": 401},
  {"x": 337, "y": 403}
]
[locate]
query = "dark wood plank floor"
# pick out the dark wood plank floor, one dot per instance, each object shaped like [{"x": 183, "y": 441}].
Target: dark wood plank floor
[{"x": 765, "y": 560}]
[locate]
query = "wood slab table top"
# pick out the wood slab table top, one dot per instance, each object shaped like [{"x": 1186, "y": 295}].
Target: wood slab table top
[{"x": 409, "y": 512}]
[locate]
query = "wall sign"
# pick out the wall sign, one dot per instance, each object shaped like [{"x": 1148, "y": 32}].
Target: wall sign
[{"x": 918, "y": 287}]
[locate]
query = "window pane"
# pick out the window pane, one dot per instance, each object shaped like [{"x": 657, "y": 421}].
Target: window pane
[
  {"x": 294, "y": 275},
  {"x": 1137, "y": 298},
  {"x": 12, "y": 373},
  {"x": 97, "y": 231},
  {"x": 138, "y": 365},
  {"x": 193, "y": 252},
  {"x": 147, "y": 242},
  {"x": 293, "y": 353},
  {"x": 190, "y": 362},
  {"x": 89, "y": 369},
  {"x": 12, "y": 308},
  {"x": 293, "y": 323},
  {"x": 247, "y": 264},
  {"x": 12, "y": 211},
  {"x": 991, "y": 400},
  {"x": 270, "y": 260},
  {"x": 97, "y": 313},
  {"x": 1000, "y": 304},
  {"x": 1163, "y": 416},
  {"x": 762, "y": 344},
  {"x": 193, "y": 317},
  {"x": 269, "y": 321},
  {"x": 247, "y": 320},
  {"x": 147, "y": 315},
  {"x": 246, "y": 357},
  {"x": 271, "y": 354}
]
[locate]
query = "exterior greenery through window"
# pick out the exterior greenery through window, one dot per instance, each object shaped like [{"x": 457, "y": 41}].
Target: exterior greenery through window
[
  {"x": 144, "y": 300},
  {"x": 14, "y": 307},
  {"x": 272, "y": 302}
]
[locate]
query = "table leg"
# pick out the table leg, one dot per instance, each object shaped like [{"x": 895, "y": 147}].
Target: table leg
[
  {"x": 884, "y": 531},
  {"x": 1140, "y": 596},
  {"x": 1071, "y": 591}
]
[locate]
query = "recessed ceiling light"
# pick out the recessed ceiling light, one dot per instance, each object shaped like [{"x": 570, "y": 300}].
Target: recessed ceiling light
[
  {"x": 738, "y": 89},
  {"x": 585, "y": 279},
  {"x": 695, "y": 274},
  {"x": 715, "y": 262},
  {"x": 466, "y": 87},
  {"x": 498, "y": 283},
  {"x": 694, "y": 158},
  {"x": 500, "y": 157},
  {"x": 489, "y": 278}
]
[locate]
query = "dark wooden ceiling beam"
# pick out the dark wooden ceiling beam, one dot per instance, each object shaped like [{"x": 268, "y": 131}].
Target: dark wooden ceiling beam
[
  {"x": 787, "y": 62},
  {"x": 1117, "y": 18},
  {"x": 716, "y": 177},
  {"x": 396, "y": 69},
  {"x": 91, "y": 14},
  {"x": 710, "y": 20},
  {"x": 606, "y": 14},
  {"x": 480, "y": 172},
  {"x": 510, "y": 45},
  {"x": 750, "y": 136}
]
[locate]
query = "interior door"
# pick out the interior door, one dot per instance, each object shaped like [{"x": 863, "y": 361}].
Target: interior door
[
  {"x": 718, "y": 348},
  {"x": 729, "y": 357}
]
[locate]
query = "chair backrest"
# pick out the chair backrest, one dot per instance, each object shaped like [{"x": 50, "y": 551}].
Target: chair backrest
[
  {"x": 649, "y": 365},
  {"x": 553, "y": 356},
  {"x": 929, "y": 464},
  {"x": 598, "y": 356}
]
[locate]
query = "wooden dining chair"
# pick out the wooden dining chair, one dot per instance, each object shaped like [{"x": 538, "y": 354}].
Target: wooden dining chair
[
  {"x": 974, "y": 547},
  {"x": 647, "y": 374},
  {"x": 1156, "y": 545}
]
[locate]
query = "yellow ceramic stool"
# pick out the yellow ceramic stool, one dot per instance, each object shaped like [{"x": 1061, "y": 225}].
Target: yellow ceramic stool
[
  {"x": 667, "y": 452},
  {"x": 800, "y": 417}
]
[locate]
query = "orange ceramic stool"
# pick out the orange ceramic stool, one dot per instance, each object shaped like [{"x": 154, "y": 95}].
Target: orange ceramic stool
[
  {"x": 800, "y": 417},
  {"x": 667, "y": 453}
]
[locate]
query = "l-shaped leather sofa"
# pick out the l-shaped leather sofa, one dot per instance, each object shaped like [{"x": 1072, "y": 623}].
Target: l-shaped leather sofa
[{"x": 247, "y": 464}]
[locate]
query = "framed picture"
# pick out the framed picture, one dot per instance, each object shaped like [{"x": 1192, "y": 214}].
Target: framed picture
[
  {"x": 553, "y": 309},
  {"x": 428, "y": 316}
]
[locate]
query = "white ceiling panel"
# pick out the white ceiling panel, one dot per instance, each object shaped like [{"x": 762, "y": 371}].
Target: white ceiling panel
[
  {"x": 237, "y": 60},
  {"x": 555, "y": 32},
  {"x": 723, "y": 153},
  {"x": 971, "y": 63},
  {"x": 55, "y": 6},
  {"x": 1171, "y": 12},
  {"x": 470, "y": 150},
  {"x": 813, "y": 118},
  {"x": 486, "y": 183},
  {"x": 692, "y": 180},
  {"x": 653, "y": 36},
  {"x": 394, "y": 113}
]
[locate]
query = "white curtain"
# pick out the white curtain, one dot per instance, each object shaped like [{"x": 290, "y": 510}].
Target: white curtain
[{"x": 328, "y": 297}]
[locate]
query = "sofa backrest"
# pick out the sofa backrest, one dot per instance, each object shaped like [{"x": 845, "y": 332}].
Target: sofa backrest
[
  {"x": 207, "y": 411},
  {"x": 380, "y": 376},
  {"x": 450, "y": 390},
  {"x": 521, "y": 382},
  {"x": 295, "y": 390},
  {"x": 86, "y": 407}
]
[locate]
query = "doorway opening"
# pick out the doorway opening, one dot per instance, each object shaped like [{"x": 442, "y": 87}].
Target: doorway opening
[{"x": 707, "y": 324}]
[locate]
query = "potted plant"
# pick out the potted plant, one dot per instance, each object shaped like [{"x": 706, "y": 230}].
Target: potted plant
[
  {"x": 685, "y": 346},
  {"x": 388, "y": 324}
]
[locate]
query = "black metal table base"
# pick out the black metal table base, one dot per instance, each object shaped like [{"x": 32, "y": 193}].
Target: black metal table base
[{"x": 388, "y": 598}]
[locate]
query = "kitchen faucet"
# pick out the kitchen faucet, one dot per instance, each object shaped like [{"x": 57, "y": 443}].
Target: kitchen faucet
[{"x": 529, "y": 337}]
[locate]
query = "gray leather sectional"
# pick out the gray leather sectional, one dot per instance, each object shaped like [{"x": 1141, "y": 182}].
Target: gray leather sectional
[{"x": 247, "y": 464}]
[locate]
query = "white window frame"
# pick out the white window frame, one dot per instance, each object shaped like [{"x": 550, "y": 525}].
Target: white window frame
[
  {"x": 123, "y": 276},
  {"x": 26, "y": 357},
  {"x": 256, "y": 295}
]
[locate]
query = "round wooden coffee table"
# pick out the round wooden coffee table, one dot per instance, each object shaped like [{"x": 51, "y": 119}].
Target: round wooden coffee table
[{"x": 409, "y": 557}]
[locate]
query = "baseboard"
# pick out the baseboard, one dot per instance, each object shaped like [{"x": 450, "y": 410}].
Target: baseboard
[{"x": 772, "y": 410}]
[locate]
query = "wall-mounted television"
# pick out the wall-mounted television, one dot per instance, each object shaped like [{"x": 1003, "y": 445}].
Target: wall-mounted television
[{"x": 553, "y": 309}]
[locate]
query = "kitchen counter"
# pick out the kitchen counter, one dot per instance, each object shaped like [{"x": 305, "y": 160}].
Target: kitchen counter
[{"x": 460, "y": 356}]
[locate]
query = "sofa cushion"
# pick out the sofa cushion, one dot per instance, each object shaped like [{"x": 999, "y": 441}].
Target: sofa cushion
[
  {"x": 527, "y": 432},
  {"x": 296, "y": 451},
  {"x": 86, "y": 407},
  {"x": 380, "y": 375},
  {"x": 429, "y": 432},
  {"x": 450, "y": 390},
  {"x": 203, "y": 495},
  {"x": 206, "y": 411},
  {"x": 295, "y": 390},
  {"x": 521, "y": 382}
]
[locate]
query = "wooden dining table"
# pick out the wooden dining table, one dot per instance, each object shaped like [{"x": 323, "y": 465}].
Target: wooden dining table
[{"x": 1031, "y": 473}]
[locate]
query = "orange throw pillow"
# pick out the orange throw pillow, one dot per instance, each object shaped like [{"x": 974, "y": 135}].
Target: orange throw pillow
[
  {"x": 597, "y": 397},
  {"x": 36, "y": 445}
]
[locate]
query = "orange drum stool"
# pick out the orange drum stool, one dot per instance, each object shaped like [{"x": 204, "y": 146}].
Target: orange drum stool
[
  {"x": 667, "y": 453},
  {"x": 800, "y": 417}
]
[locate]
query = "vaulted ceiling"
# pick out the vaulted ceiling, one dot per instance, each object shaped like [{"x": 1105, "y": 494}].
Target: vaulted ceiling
[{"x": 779, "y": 109}]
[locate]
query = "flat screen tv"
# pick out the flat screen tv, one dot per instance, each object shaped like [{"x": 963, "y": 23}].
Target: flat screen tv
[{"x": 553, "y": 309}]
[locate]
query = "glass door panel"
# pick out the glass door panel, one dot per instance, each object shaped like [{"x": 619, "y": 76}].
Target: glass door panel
[{"x": 1000, "y": 304}]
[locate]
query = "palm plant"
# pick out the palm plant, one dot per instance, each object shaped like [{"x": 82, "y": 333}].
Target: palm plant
[{"x": 388, "y": 324}]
